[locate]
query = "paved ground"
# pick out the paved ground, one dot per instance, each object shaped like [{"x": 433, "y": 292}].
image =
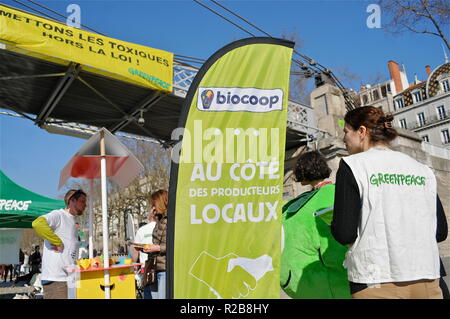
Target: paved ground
[
  {"x": 4, "y": 286},
  {"x": 8, "y": 290},
  {"x": 446, "y": 262}
]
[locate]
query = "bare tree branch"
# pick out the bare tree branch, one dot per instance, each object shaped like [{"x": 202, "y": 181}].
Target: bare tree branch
[
  {"x": 417, "y": 16},
  {"x": 417, "y": 31}
]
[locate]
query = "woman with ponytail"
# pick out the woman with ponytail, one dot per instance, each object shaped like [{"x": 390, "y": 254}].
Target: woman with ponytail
[{"x": 387, "y": 211}]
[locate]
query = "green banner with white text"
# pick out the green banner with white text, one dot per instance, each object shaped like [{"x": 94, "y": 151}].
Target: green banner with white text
[{"x": 224, "y": 234}]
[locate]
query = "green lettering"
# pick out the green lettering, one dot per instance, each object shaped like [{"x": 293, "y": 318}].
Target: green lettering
[
  {"x": 386, "y": 178},
  {"x": 408, "y": 179},
  {"x": 373, "y": 180},
  {"x": 397, "y": 179},
  {"x": 392, "y": 178}
]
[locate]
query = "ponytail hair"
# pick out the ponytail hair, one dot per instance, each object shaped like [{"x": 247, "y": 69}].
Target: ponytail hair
[{"x": 379, "y": 124}]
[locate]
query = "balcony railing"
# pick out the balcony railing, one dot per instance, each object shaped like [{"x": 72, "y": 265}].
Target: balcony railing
[{"x": 429, "y": 120}]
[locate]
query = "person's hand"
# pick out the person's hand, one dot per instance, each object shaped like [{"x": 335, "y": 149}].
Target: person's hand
[
  {"x": 58, "y": 249},
  {"x": 138, "y": 249},
  {"x": 152, "y": 249}
]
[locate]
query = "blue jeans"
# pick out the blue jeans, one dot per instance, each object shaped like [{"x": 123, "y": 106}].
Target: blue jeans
[
  {"x": 17, "y": 270},
  {"x": 158, "y": 290},
  {"x": 147, "y": 292}
]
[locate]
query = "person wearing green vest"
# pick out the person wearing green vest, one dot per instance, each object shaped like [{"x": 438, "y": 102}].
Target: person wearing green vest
[{"x": 312, "y": 260}]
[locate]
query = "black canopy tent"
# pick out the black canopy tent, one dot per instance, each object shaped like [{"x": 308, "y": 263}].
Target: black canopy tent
[{"x": 31, "y": 85}]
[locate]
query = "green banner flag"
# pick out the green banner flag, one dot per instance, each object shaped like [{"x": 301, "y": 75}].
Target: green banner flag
[{"x": 224, "y": 233}]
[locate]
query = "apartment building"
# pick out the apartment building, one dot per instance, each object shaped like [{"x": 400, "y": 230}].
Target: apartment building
[{"x": 422, "y": 106}]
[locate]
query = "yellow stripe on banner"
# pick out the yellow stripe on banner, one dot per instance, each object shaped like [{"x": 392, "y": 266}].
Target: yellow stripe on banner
[{"x": 147, "y": 66}]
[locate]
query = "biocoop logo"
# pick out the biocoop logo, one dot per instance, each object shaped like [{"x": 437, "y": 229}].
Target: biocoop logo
[{"x": 239, "y": 99}]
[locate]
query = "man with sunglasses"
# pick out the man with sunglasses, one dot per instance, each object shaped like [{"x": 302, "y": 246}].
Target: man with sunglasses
[{"x": 61, "y": 243}]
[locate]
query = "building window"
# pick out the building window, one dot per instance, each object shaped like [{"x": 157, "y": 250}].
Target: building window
[
  {"x": 365, "y": 99},
  {"x": 399, "y": 103},
  {"x": 421, "y": 119},
  {"x": 445, "y": 136},
  {"x": 388, "y": 87},
  {"x": 383, "y": 91},
  {"x": 417, "y": 96},
  {"x": 425, "y": 138},
  {"x": 441, "y": 112},
  {"x": 445, "y": 85},
  {"x": 403, "y": 123},
  {"x": 376, "y": 95}
]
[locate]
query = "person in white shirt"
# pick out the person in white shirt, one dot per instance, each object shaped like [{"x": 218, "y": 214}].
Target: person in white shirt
[
  {"x": 144, "y": 236},
  {"x": 387, "y": 210},
  {"x": 25, "y": 269},
  {"x": 61, "y": 243}
]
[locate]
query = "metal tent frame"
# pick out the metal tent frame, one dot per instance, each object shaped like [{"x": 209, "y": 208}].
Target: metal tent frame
[{"x": 73, "y": 96}]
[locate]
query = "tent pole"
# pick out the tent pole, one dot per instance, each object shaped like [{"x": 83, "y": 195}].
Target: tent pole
[
  {"x": 104, "y": 216},
  {"x": 91, "y": 230}
]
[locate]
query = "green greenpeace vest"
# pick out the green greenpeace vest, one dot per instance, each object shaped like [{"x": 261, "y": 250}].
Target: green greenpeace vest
[{"x": 312, "y": 260}]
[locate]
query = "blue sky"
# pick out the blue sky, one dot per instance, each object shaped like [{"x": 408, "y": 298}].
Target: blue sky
[{"x": 334, "y": 33}]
